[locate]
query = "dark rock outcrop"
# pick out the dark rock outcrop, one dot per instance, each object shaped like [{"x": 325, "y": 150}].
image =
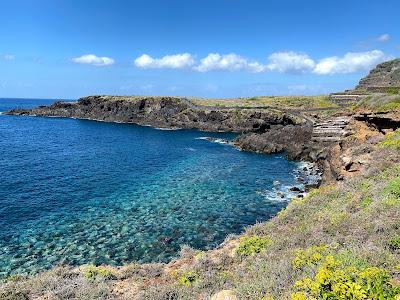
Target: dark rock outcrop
[
  {"x": 292, "y": 139},
  {"x": 164, "y": 112}
]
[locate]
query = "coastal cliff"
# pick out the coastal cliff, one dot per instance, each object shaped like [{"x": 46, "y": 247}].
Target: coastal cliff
[{"x": 163, "y": 112}]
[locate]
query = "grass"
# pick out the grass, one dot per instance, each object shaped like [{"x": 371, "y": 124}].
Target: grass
[
  {"x": 381, "y": 102},
  {"x": 394, "y": 243},
  {"x": 391, "y": 140},
  {"x": 294, "y": 102}
]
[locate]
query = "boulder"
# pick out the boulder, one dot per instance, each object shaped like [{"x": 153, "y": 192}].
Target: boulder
[{"x": 224, "y": 295}]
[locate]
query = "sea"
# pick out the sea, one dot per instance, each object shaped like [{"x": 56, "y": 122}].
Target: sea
[{"x": 87, "y": 192}]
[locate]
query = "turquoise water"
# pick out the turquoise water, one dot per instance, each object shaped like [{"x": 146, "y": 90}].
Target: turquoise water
[{"x": 78, "y": 191}]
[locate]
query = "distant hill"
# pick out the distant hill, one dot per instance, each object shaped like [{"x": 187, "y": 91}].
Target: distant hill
[{"x": 385, "y": 76}]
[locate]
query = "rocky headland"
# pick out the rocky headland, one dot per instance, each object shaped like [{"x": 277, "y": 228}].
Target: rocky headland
[{"x": 163, "y": 112}]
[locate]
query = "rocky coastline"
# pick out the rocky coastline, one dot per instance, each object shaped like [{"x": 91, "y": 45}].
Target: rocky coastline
[
  {"x": 163, "y": 112},
  {"x": 261, "y": 130}
]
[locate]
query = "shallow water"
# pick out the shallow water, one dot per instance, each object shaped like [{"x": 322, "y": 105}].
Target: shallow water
[{"x": 78, "y": 191}]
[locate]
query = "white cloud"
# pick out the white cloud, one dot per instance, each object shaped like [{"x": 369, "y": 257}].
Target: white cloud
[
  {"x": 383, "y": 38},
  {"x": 176, "y": 61},
  {"x": 9, "y": 57},
  {"x": 91, "y": 59},
  {"x": 350, "y": 62},
  {"x": 283, "y": 62},
  {"x": 230, "y": 62},
  {"x": 290, "y": 62}
]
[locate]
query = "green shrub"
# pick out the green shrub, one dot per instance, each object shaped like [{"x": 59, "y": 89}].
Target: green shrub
[
  {"x": 333, "y": 281},
  {"x": 367, "y": 201},
  {"x": 393, "y": 91},
  {"x": 309, "y": 256},
  {"x": 250, "y": 245},
  {"x": 92, "y": 272},
  {"x": 391, "y": 140},
  {"x": 394, "y": 243},
  {"x": 188, "y": 278},
  {"x": 393, "y": 188}
]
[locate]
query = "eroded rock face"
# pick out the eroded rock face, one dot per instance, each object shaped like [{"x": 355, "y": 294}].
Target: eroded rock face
[
  {"x": 385, "y": 75},
  {"x": 291, "y": 138},
  {"x": 165, "y": 112}
]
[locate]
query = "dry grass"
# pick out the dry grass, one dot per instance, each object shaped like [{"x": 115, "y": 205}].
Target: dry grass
[
  {"x": 294, "y": 102},
  {"x": 380, "y": 102}
]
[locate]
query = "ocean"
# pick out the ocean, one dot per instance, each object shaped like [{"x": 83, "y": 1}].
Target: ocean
[{"x": 86, "y": 192}]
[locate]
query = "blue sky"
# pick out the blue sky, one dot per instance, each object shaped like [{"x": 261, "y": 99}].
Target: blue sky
[{"x": 207, "y": 48}]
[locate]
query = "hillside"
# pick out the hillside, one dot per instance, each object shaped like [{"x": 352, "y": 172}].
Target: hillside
[{"x": 385, "y": 77}]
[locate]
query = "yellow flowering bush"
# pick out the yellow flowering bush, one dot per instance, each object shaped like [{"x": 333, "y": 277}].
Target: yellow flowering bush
[
  {"x": 250, "y": 245},
  {"x": 187, "y": 279},
  {"x": 309, "y": 256},
  {"x": 391, "y": 140},
  {"x": 91, "y": 272},
  {"x": 334, "y": 281}
]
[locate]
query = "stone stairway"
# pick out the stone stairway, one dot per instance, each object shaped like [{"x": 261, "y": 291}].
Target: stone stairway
[{"x": 330, "y": 130}]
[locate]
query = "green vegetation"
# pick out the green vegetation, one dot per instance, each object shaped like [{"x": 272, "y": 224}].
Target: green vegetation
[
  {"x": 309, "y": 256},
  {"x": 381, "y": 102},
  {"x": 291, "y": 102},
  {"x": 92, "y": 272},
  {"x": 393, "y": 90},
  {"x": 187, "y": 279},
  {"x": 394, "y": 243},
  {"x": 393, "y": 188},
  {"x": 333, "y": 280},
  {"x": 392, "y": 140},
  {"x": 250, "y": 245}
]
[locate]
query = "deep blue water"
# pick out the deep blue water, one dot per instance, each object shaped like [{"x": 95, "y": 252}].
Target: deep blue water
[{"x": 78, "y": 191}]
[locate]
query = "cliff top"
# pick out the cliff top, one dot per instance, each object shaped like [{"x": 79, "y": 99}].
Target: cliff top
[{"x": 385, "y": 75}]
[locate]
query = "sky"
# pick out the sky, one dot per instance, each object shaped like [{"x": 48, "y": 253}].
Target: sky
[{"x": 206, "y": 48}]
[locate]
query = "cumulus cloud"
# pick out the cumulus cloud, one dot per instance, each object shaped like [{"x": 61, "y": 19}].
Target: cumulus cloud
[
  {"x": 290, "y": 62},
  {"x": 283, "y": 62},
  {"x": 383, "y": 38},
  {"x": 91, "y": 59},
  {"x": 176, "y": 61},
  {"x": 230, "y": 62},
  {"x": 350, "y": 62}
]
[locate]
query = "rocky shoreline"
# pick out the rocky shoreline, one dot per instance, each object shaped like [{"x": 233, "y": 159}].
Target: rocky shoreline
[
  {"x": 163, "y": 112},
  {"x": 262, "y": 130}
]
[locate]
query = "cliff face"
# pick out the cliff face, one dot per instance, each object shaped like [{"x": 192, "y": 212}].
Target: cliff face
[
  {"x": 165, "y": 112},
  {"x": 385, "y": 75}
]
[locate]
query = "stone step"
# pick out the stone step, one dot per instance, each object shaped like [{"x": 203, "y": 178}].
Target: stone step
[
  {"x": 330, "y": 127},
  {"x": 329, "y": 133},
  {"x": 331, "y": 124},
  {"x": 326, "y": 139}
]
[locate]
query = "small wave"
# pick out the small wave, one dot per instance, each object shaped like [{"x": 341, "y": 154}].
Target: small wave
[
  {"x": 167, "y": 129},
  {"x": 214, "y": 140}
]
